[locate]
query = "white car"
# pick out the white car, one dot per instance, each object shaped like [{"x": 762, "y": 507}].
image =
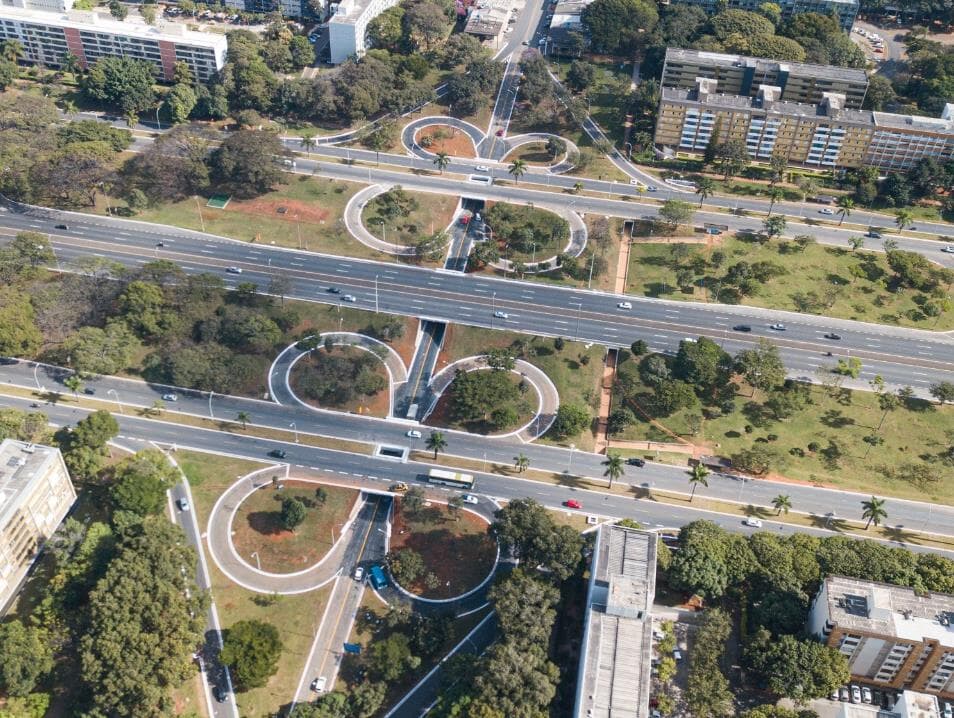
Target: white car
[
  {"x": 482, "y": 168},
  {"x": 501, "y": 315},
  {"x": 183, "y": 504},
  {"x": 855, "y": 694},
  {"x": 652, "y": 188},
  {"x": 949, "y": 249},
  {"x": 413, "y": 434},
  {"x": 826, "y": 210},
  {"x": 634, "y": 182},
  {"x": 866, "y": 694},
  {"x": 318, "y": 685},
  {"x": 349, "y": 298},
  {"x": 358, "y": 573},
  {"x": 624, "y": 305},
  {"x": 777, "y": 327},
  {"x": 170, "y": 397},
  {"x": 469, "y": 499},
  {"x": 233, "y": 270},
  {"x": 753, "y": 522}
]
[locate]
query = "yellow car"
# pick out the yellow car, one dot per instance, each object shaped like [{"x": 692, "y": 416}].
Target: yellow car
[{"x": 399, "y": 488}]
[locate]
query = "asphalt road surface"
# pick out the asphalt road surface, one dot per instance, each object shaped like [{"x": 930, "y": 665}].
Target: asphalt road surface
[{"x": 901, "y": 356}]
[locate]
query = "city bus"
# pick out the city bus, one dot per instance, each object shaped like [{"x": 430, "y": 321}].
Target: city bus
[{"x": 450, "y": 478}]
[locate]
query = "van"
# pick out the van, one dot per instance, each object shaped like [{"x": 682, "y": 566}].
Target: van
[{"x": 378, "y": 579}]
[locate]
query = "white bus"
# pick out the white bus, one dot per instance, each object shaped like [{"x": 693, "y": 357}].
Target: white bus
[{"x": 450, "y": 478}]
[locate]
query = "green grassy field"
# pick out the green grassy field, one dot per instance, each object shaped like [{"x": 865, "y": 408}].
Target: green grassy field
[
  {"x": 919, "y": 433},
  {"x": 432, "y": 214},
  {"x": 576, "y": 382},
  {"x": 849, "y": 285}
]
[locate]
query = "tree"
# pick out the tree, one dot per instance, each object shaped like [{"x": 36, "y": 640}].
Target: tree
[
  {"x": 389, "y": 659},
  {"x": 943, "y": 391},
  {"x": 413, "y": 500},
  {"x": 845, "y": 205},
  {"x": 92, "y": 350},
  {"x": 251, "y": 650},
  {"x": 454, "y": 506},
  {"x": 367, "y": 699},
  {"x": 614, "y": 467},
  {"x": 525, "y": 529},
  {"x": 761, "y": 367},
  {"x": 797, "y": 669},
  {"x": 27, "y": 657},
  {"x": 436, "y": 442},
  {"x": 873, "y": 511},
  {"x": 903, "y": 218},
  {"x": 517, "y": 168},
  {"x": 639, "y": 347},
  {"x": 704, "y": 365},
  {"x": 293, "y": 513},
  {"x": 141, "y": 481},
  {"x": 243, "y": 417},
  {"x": 406, "y": 565},
  {"x": 246, "y": 163},
  {"x": 180, "y": 100},
  {"x": 525, "y": 607},
  {"x": 521, "y": 462},
  {"x": 442, "y": 159},
  {"x": 94, "y": 430},
  {"x": 616, "y": 26},
  {"x": 731, "y": 157},
  {"x": 581, "y": 75},
  {"x": 11, "y": 50},
  {"x": 856, "y": 243},
  {"x": 570, "y": 420},
  {"x": 782, "y": 502},
  {"x": 756, "y": 460},
  {"x": 19, "y": 334},
  {"x": 704, "y": 188},
  {"x": 675, "y": 212},
  {"x": 122, "y": 82},
  {"x": 775, "y": 194},
  {"x": 774, "y": 226},
  {"x": 118, "y": 10},
  {"x": 698, "y": 476}
]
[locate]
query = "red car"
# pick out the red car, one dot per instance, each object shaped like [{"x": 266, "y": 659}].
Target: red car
[
  {"x": 573, "y": 504},
  {"x": 500, "y": 133}
]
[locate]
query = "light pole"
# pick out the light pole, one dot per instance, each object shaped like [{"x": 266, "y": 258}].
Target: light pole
[
  {"x": 159, "y": 124},
  {"x": 258, "y": 562},
  {"x": 118, "y": 402},
  {"x": 579, "y": 316},
  {"x": 493, "y": 308},
  {"x": 211, "y": 415},
  {"x": 375, "y": 293},
  {"x": 36, "y": 366},
  {"x": 198, "y": 208},
  {"x": 570, "y": 462},
  {"x": 589, "y": 283},
  {"x": 294, "y": 427}
]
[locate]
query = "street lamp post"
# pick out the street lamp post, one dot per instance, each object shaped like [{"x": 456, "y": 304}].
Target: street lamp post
[
  {"x": 118, "y": 402},
  {"x": 159, "y": 124},
  {"x": 294, "y": 427},
  {"x": 258, "y": 562},
  {"x": 579, "y": 317},
  {"x": 375, "y": 293},
  {"x": 493, "y": 308},
  {"x": 211, "y": 415},
  {"x": 569, "y": 463}
]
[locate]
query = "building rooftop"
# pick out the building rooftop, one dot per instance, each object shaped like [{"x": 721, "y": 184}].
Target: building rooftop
[
  {"x": 932, "y": 124},
  {"x": 763, "y": 65},
  {"x": 350, "y": 11},
  {"x": 909, "y": 705},
  {"x": 746, "y": 103},
  {"x": 890, "y": 610},
  {"x": 615, "y": 665},
  {"x": 488, "y": 17},
  {"x": 103, "y": 22},
  {"x": 22, "y": 466}
]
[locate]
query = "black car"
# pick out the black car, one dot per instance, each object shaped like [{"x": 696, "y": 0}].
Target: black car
[
  {"x": 89, "y": 390},
  {"x": 61, "y": 226},
  {"x": 334, "y": 290},
  {"x": 277, "y": 453},
  {"x": 832, "y": 335},
  {"x": 741, "y": 328},
  {"x": 633, "y": 461},
  {"x": 220, "y": 695}
]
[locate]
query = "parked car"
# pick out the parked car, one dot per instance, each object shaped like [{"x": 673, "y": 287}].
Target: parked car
[
  {"x": 413, "y": 434},
  {"x": 277, "y": 453},
  {"x": 948, "y": 711},
  {"x": 741, "y": 328},
  {"x": 855, "y": 694},
  {"x": 843, "y": 694},
  {"x": 170, "y": 397},
  {"x": 833, "y": 696},
  {"x": 625, "y": 305},
  {"x": 572, "y": 504},
  {"x": 469, "y": 499},
  {"x": 753, "y": 522},
  {"x": 635, "y": 461},
  {"x": 866, "y": 694},
  {"x": 676, "y": 655}
]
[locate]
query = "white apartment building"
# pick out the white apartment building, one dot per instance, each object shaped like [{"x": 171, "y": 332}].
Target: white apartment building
[
  {"x": 348, "y": 27},
  {"x": 35, "y": 495},
  {"x": 44, "y": 5},
  {"x": 48, "y": 36}
]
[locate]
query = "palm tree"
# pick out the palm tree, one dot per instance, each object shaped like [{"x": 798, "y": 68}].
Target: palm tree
[
  {"x": 775, "y": 194},
  {"x": 521, "y": 462},
  {"x": 704, "y": 188},
  {"x": 437, "y": 442},
  {"x": 517, "y": 168},
  {"x": 903, "y": 219},
  {"x": 845, "y": 205},
  {"x": 782, "y": 502},
  {"x": 856, "y": 243},
  {"x": 698, "y": 476},
  {"x": 874, "y": 511},
  {"x": 577, "y": 187},
  {"x": 442, "y": 159},
  {"x": 614, "y": 467},
  {"x": 307, "y": 142},
  {"x": 73, "y": 383},
  {"x": 157, "y": 406},
  {"x": 244, "y": 417},
  {"x": 11, "y": 50}
]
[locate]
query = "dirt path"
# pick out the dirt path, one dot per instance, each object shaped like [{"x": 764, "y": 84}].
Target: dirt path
[
  {"x": 656, "y": 446},
  {"x": 606, "y": 395}
]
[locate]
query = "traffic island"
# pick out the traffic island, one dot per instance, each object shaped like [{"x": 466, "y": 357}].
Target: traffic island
[
  {"x": 343, "y": 378},
  {"x": 446, "y": 139},
  {"x": 316, "y": 512},
  {"x": 439, "y": 552}
]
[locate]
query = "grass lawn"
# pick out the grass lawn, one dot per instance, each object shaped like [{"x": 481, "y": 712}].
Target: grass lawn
[
  {"x": 846, "y": 285},
  {"x": 523, "y": 403},
  {"x": 444, "y": 138},
  {"x": 376, "y": 404},
  {"x": 296, "y": 617},
  {"x": 913, "y": 434},
  {"x": 576, "y": 382},
  {"x": 534, "y": 153},
  {"x": 433, "y": 212},
  {"x": 305, "y": 213},
  {"x": 461, "y": 552},
  {"x": 257, "y": 526},
  {"x": 603, "y": 94}
]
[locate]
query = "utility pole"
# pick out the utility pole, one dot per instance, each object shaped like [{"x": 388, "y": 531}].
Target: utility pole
[{"x": 375, "y": 293}]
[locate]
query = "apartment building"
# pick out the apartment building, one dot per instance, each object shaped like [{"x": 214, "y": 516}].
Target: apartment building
[
  {"x": 348, "y": 27},
  {"x": 35, "y": 494},
  {"x": 47, "y": 37},
  {"x": 844, "y": 10},
  {"x": 826, "y": 135},
  {"x": 739, "y": 75},
  {"x": 44, "y": 5},
  {"x": 894, "y": 638},
  {"x": 289, "y": 8},
  {"x": 616, "y": 657}
]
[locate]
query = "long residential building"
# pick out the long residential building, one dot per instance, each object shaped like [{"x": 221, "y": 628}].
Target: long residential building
[
  {"x": 893, "y": 637},
  {"x": 348, "y": 27},
  {"x": 47, "y": 37},
  {"x": 35, "y": 494},
  {"x": 844, "y": 10},
  {"x": 826, "y": 135},
  {"x": 740, "y": 75},
  {"x": 616, "y": 657}
]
